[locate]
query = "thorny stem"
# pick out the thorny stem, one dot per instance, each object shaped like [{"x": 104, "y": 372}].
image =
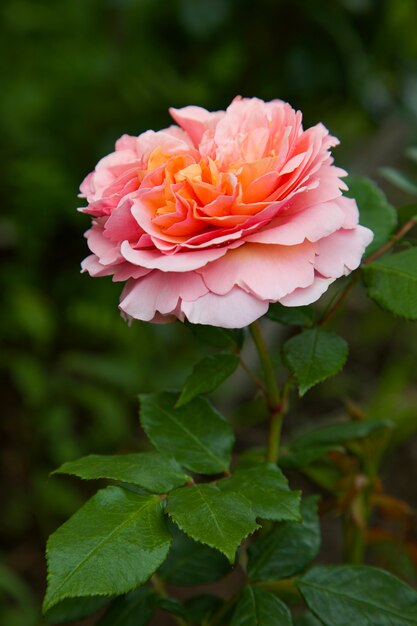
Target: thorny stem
[
  {"x": 275, "y": 403},
  {"x": 355, "y": 276}
]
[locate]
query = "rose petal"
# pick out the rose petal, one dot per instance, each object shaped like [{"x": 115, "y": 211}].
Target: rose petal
[
  {"x": 307, "y": 295},
  {"x": 268, "y": 272},
  {"x": 179, "y": 262},
  {"x": 235, "y": 309},
  {"x": 160, "y": 292},
  {"x": 341, "y": 253}
]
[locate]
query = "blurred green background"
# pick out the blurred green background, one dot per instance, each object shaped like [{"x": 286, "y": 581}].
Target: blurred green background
[{"x": 76, "y": 74}]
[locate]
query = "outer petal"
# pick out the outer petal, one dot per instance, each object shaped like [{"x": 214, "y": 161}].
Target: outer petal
[
  {"x": 121, "y": 272},
  {"x": 106, "y": 250},
  {"x": 341, "y": 253},
  {"x": 233, "y": 310},
  {"x": 307, "y": 295},
  {"x": 160, "y": 292},
  {"x": 268, "y": 272}
]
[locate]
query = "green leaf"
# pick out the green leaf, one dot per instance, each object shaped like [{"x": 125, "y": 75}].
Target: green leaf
[
  {"x": 267, "y": 490},
  {"x": 212, "y": 516},
  {"x": 400, "y": 180},
  {"x": 200, "y": 608},
  {"x": 195, "y": 434},
  {"x": 288, "y": 548},
  {"x": 291, "y": 315},
  {"x": 72, "y": 609},
  {"x": 257, "y": 607},
  {"x": 307, "y": 619},
  {"x": 345, "y": 595},
  {"x": 218, "y": 337},
  {"x": 152, "y": 471},
  {"x": 134, "y": 609},
  {"x": 207, "y": 375},
  {"x": 192, "y": 563},
  {"x": 84, "y": 554},
  {"x": 392, "y": 282},
  {"x": 171, "y": 605},
  {"x": 375, "y": 211},
  {"x": 407, "y": 212},
  {"x": 314, "y": 355},
  {"x": 314, "y": 444}
]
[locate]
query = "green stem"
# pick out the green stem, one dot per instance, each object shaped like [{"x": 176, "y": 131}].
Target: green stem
[
  {"x": 340, "y": 299},
  {"x": 285, "y": 587},
  {"x": 394, "y": 240},
  {"x": 273, "y": 396},
  {"x": 353, "y": 540}
]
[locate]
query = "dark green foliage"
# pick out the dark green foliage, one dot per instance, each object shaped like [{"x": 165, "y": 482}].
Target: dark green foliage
[
  {"x": 154, "y": 472},
  {"x": 314, "y": 444},
  {"x": 392, "y": 282},
  {"x": 134, "y": 609},
  {"x": 266, "y": 488},
  {"x": 88, "y": 555},
  {"x": 207, "y": 375},
  {"x": 314, "y": 355},
  {"x": 288, "y": 548},
  {"x": 195, "y": 434},
  {"x": 291, "y": 316},
  {"x": 192, "y": 563},
  {"x": 213, "y": 516},
  {"x": 257, "y": 607},
  {"x": 375, "y": 211},
  {"x": 360, "y": 595}
]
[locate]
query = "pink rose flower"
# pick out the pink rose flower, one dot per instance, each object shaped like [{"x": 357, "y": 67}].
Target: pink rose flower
[{"x": 215, "y": 218}]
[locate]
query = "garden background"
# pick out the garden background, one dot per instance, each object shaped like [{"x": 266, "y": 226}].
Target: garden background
[{"x": 76, "y": 74}]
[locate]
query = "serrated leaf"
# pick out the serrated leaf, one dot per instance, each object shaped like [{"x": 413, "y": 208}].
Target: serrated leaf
[
  {"x": 153, "y": 471},
  {"x": 72, "y": 609},
  {"x": 265, "y": 486},
  {"x": 84, "y": 554},
  {"x": 218, "y": 337},
  {"x": 375, "y": 212},
  {"x": 195, "y": 434},
  {"x": 315, "y": 443},
  {"x": 192, "y": 563},
  {"x": 291, "y": 315},
  {"x": 400, "y": 180},
  {"x": 288, "y": 548},
  {"x": 344, "y": 595},
  {"x": 257, "y": 607},
  {"x": 314, "y": 355},
  {"x": 207, "y": 375},
  {"x": 392, "y": 282},
  {"x": 212, "y": 516},
  {"x": 134, "y": 609}
]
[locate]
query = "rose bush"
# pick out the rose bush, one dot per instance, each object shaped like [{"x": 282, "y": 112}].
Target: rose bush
[{"x": 215, "y": 218}]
